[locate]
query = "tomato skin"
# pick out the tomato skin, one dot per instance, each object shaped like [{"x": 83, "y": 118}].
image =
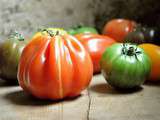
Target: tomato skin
[
  {"x": 10, "y": 51},
  {"x": 52, "y": 67},
  {"x": 118, "y": 28},
  {"x": 141, "y": 34},
  {"x": 95, "y": 44},
  {"x": 123, "y": 68},
  {"x": 82, "y": 29},
  {"x": 153, "y": 52}
]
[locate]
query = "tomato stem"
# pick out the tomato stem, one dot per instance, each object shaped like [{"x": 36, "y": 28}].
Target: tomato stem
[
  {"x": 78, "y": 26},
  {"x": 50, "y": 32},
  {"x": 130, "y": 51},
  {"x": 57, "y": 32}
]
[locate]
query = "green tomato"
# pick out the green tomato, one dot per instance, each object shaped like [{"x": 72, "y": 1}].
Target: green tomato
[
  {"x": 125, "y": 65},
  {"x": 10, "y": 51},
  {"x": 82, "y": 29}
]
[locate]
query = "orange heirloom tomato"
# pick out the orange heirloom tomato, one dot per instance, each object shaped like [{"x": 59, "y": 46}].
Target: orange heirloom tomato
[
  {"x": 118, "y": 29},
  {"x": 54, "y": 65},
  {"x": 153, "y": 52},
  {"x": 95, "y": 44}
]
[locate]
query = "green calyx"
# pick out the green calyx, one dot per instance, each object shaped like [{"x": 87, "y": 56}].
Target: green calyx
[
  {"x": 16, "y": 36},
  {"x": 130, "y": 50},
  {"x": 52, "y": 31},
  {"x": 78, "y": 26}
]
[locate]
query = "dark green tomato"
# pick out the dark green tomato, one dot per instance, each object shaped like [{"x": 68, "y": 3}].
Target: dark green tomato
[
  {"x": 141, "y": 35},
  {"x": 135, "y": 37},
  {"x": 149, "y": 34},
  {"x": 125, "y": 66},
  {"x": 82, "y": 29},
  {"x": 10, "y": 51},
  {"x": 156, "y": 36}
]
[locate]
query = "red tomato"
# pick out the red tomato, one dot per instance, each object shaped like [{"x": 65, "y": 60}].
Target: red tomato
[
  {"x": 118, "y": 28},
  {"x": 95, "y": 44},
  {"x": 153, "y": 52},
  {"x": 54, "y": 66}
]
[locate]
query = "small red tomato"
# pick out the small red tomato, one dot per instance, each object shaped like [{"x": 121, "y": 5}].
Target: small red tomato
[
  {"x": 54, "y": 65},
  {"x": 95, "y": 44},
  {"x": 118, "y": 28}
]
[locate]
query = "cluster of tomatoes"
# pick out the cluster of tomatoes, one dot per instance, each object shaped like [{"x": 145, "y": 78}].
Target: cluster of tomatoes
[
  {"x": 56, "y": 64},
  {"x": 127, "y": 31}
]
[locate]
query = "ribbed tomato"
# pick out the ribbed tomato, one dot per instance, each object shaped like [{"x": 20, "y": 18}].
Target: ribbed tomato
[
  {"x": 118, "y": 28},
  {"x": 95, "y": 44},
  {"x": 54, "y": 65},
  {"x": 153, "y": 52}
]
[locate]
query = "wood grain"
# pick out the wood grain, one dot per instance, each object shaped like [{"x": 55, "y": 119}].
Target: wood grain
[{"x": 98, "y": 102}]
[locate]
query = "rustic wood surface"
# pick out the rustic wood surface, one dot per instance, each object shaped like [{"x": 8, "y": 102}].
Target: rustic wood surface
[{"x": 98, "y": 102}]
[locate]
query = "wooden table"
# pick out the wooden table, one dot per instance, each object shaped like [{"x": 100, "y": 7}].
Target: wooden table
[{"x": 98, "y": 102}]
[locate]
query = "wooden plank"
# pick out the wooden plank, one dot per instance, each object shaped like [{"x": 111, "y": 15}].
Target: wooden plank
[
  {"x": 99, "y": 102},
  {"x": 16, "y": 105},
  {"x": 108, "y": 104},
  {"x": 77, "y": 110}
]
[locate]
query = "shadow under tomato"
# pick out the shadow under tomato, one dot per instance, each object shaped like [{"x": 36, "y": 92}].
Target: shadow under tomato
[
  {"x": 152, "y": 83},
  {"x": 22, "y": 98},
  {"x": 97, "y": 73},
  {"x": 5, "y": 83},
  {"x": 104, "y": 88}
]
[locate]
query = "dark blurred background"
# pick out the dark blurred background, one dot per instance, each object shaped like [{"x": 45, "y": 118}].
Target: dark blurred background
[{"x": 28, "y": 15}]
